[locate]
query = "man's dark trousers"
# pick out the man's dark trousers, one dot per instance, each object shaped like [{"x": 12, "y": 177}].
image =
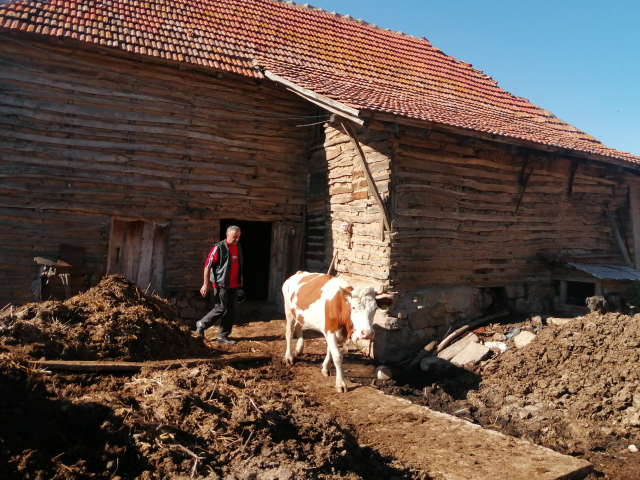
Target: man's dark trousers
[{"x": 225, "y": 300}]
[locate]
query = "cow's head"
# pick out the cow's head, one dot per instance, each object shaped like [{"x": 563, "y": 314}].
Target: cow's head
[{"x": 363, "y": 303}]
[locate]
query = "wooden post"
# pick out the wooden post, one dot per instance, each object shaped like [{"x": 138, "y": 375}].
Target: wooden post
[
  {"x": 563, "y": 292},
  {"x": 616, "y": 234},
  {"x": 597, "y": 289},
  {"x": 635, "y": 222}
]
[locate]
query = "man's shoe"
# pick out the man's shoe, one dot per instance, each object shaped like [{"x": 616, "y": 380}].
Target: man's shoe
[
  {"x": 199, "y": 332},
  {"x": 225, "y": 341}
]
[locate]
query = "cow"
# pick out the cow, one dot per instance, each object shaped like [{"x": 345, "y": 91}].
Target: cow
[{"x": 331, "y": 306}]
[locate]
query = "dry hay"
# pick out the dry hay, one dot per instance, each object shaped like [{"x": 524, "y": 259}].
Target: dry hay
[{"x": 115, "y": 320}]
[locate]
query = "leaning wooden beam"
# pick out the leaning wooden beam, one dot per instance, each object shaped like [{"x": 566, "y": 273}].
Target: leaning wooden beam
[
  {"x": 320, "y": 100},
  {"x": 367, "y": 175},
  {"x": 106, "y": 366},
  {"x": 616, "y": 234},
  {"x": 445, "y": 343},
  {"x": 635, "y": 222}
]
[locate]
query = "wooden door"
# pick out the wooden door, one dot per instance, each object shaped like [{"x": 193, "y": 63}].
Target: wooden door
[{"x": 137, "y": 251}]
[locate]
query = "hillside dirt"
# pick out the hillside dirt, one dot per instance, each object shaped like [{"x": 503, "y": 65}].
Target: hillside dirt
[{"x": 573, "y": 390}]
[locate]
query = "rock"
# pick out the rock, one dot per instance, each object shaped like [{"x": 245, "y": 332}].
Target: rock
[
  {"x": 383, "y": 373},
  {"x": 452, "y": 350},
  {"x": 472, "y": 354},
  {"x": 537, "y": 321},
  {"x": 560, "y": 322},
  {"x": 513, "y": 333},
  {"x": 499, "y": 337},
  {"x": 434, "y": 365},
  {"x": 502, "y": 347},
  {"x": 188, "y": 312},
  {"x": 430, "y": 347},
  {"x": 632, "y": 448},
  {"x": 523, "y": 339}
]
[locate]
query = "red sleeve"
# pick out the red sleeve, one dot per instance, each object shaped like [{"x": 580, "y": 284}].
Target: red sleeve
[{"x": 212, "y": 258}]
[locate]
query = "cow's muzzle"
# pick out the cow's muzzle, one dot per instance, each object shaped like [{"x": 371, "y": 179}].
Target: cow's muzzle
[{"x": 366, "y": 334}]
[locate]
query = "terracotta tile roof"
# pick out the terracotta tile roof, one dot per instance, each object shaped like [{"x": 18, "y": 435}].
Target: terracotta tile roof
[{"x": 348, "y": 60}]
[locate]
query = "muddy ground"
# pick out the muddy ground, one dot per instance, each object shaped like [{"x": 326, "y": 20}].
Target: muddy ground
[
  {"x": 573, "y": 390},
  {"x": 249, "y": 421}
]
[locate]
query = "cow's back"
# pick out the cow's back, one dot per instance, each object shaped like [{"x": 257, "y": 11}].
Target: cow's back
[{"x": 306, "y": 294}]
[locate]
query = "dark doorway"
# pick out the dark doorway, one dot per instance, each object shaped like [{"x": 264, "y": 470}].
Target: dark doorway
[
  {"x": 577, "y": 292},
  {"x": 256, "y": 251}
]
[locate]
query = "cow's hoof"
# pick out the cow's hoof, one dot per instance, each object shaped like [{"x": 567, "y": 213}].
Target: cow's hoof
[
  {"x": 288, "y": 360},
  {"x": 341, "y": 389},
  {"x": 325, "y": 373}
]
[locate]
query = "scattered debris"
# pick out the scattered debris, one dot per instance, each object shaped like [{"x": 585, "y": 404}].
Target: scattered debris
[
  {"x": 451, "y": 351},
  {"x": 500, "y": 346},
  {"x": 472, "y": 354},
  {"x": 523, "y": 339}
]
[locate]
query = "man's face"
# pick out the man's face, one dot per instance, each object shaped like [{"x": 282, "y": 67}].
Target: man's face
[{"x": 233, "y": 237}]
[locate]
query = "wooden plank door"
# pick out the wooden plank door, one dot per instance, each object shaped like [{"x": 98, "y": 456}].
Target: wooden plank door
[{"x": 137, "y": 251}]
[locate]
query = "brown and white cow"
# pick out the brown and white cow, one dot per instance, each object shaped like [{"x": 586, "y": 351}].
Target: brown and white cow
[{"x": 329, "y": 305}]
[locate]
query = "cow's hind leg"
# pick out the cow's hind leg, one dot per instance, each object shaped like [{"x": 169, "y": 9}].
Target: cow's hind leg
[
  {"x": 300, "y": 340},
  {"x": 333, "y": 350},
  {"x": 291, "y": 322}
]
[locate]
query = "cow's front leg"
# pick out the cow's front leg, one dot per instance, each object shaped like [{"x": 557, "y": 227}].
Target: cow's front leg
[
  {"x": 333, "y": 350},
  {"x": 325, "y": 364}
]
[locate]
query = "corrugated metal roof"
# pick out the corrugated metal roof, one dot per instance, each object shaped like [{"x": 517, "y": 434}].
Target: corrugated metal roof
[{"x": 607, "y": 272}]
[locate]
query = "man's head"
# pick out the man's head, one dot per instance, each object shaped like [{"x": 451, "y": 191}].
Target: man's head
[{"x": 233, "y": 235}]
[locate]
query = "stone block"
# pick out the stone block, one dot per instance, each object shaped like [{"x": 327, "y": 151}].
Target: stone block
[
  {"x": 434, "y": 365},
  {"x": 383, "y": 373},
  {"x": 428, "y": 317},
  {"x": 523, "y": 339},
  {"x": 559, "y": 322},
  {"x": 383, "y": 320},
  {"x": 198, "y": 302},
  {"x": 181, "y": 303},
  {"x": 472, "y": 354},
  {"x": 452, "y": 350},
  {"x": 189, "y": 312}
]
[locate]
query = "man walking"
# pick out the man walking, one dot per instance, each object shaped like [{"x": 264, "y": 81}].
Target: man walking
[{"x": 224, "y": 270}]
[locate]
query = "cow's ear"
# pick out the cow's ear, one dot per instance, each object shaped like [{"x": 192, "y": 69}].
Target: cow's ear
[
  {"x": 384, "y": 302},
  {"x": 347, "y": 291}
]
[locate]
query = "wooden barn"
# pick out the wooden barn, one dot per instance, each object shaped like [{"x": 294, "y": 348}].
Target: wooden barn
[{"x": 133, "y": 133}]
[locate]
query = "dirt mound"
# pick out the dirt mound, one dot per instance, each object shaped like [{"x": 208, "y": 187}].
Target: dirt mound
[
  {"x": 572, "y": 389},
  {"x": 184, "y": 423},
  {"x": 115, "y": 320}
]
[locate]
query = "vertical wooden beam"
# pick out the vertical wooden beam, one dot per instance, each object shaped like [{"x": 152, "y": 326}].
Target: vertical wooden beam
[
  {"x": 616, "y": 234},
  {"x": 635, "y": 222},
  {"x": 563, "y": 292},
  {"x": 597, "y": 290}
]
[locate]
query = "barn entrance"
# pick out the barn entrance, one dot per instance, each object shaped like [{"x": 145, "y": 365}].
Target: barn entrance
[{"x": 256, "y": 250}]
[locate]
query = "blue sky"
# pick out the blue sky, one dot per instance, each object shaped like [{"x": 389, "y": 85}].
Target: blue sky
[{"x": 577, "y": 59}]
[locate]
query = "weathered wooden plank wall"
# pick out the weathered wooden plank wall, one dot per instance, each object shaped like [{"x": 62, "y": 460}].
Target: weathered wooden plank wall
[
  {"x": 86, "y": 137},
  {"x": 454, "y": 221}
]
